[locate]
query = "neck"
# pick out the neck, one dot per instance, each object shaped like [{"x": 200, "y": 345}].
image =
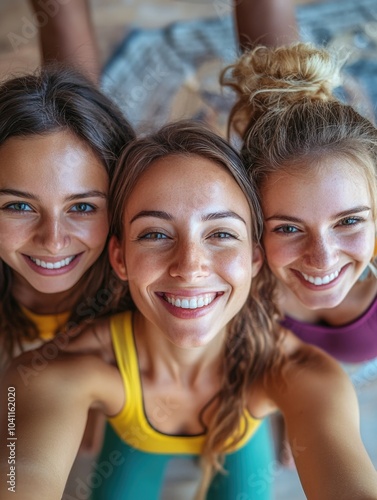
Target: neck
[
  {"x": 44, "y": 303},
  {"x": 354, "y": 304},
  {"x": 186, "y": 366}
]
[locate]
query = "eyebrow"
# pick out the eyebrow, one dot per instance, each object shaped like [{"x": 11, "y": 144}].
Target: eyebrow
[
  {"x": 166, "y": 216},
  {"x": 289, "y": 218},
  {"x": 87, "y": 194},
  {"x": 73, "y": 197},
  {"x": 19, "y": 194}
]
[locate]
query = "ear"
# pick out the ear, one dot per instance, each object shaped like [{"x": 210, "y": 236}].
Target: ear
[
  {"x": 257, "y": 259},
  {"x": 116, "y": 257}
]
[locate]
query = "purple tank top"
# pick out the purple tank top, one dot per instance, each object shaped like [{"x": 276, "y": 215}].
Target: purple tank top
[{"x": 354, "y": 342}]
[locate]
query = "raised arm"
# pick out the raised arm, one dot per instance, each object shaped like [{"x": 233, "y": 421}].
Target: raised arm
[
  {"x": 267, "y": 22},
  {"x": 67, "y": 35},
  {"x": 320, "y": 409},
  {"x": 52, "y": 398}
]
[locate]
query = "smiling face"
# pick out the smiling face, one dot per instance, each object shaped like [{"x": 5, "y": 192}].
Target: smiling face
[
  {"x": 319, "y": 230},
  {"x": 187, "y": 252},
  {"x": 53, "y": 210}
]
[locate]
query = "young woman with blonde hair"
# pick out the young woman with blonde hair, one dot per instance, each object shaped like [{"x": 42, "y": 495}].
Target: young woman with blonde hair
[{"x": 314, "y": 160}]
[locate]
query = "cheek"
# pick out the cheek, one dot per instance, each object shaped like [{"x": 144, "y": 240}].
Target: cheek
[
  {"x": 237, "y": 268},
  {"x": 362, "y": 246},
  {"x": 16, "y": 230},
  {"x": 14, "y": 237},
  {"x": 279, "y": 253},
  {"x": 142, "y": 268},
  {"x": 95, "y": 233}
]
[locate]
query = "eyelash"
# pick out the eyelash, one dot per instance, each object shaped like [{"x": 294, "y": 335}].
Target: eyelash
[
  {"x": 226, "y": 234},
  {"x": 156, "y": 235},
  {"x": 282, "y": 229},
  {"x": 11, "y": 207},
  {"x": 153, "y": 236},
  {"x": 355, "y": 219},
  {"x": 92, "y": 208}
]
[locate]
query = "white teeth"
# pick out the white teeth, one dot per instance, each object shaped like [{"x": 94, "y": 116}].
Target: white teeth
[
  {"x": 192, "y": 302},
  {"x": 316, "y": 280},
  {"x": 52, "y": 265}
]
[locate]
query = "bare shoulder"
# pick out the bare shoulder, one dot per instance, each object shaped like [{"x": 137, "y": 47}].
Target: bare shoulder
[
  {"x": 53, "y": 370},
  {"x": 303, "y": 374},
  {"x": 53, "y": 388},
  {"x": 91, "y": 339},
  {"x": 307, "y": 378}
]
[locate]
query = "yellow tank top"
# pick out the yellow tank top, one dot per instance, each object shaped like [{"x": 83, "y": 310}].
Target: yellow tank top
[
  {"x": 131, "y": 423},
  {"x": 47, "y": 324}
]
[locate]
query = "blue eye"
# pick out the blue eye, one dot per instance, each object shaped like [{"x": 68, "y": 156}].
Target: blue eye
[
  {"x": 222, "y": 235},
  {"x": 286, "y": 229},
  {"x": 350, "y": 221},
  {"x": 19, "y": 207},
  {"x": 82, "y": 208}
]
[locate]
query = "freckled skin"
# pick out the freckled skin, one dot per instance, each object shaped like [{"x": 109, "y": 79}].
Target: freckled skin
[
  {"x": 190, "y": 258},
  {"x": 51, "y": 217},
  {"x": 324, "y": 230}
]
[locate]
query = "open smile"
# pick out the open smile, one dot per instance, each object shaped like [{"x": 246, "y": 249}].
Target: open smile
[
  {"x": 48, "y": 266},
  {"x": 318, "y": 280},
  {"x": 52, "y": 265},
  {"x": 194, "y": 302}
]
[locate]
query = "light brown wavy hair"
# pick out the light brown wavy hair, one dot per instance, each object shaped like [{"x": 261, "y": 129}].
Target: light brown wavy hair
[
  {"x": 50, "y": 100},
  {"x": 287, "y": 115},
  {"x": 252, "y": 346}
]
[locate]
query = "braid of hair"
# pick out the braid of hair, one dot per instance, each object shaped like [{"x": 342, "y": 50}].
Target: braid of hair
[{"x": 252, "y": 350}]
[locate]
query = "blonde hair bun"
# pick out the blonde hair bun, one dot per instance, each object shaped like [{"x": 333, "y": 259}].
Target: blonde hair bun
[{"x": 268, "y": 79}]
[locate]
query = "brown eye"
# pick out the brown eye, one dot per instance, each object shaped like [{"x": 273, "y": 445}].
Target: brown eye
[{"x": 153, "y": 236}]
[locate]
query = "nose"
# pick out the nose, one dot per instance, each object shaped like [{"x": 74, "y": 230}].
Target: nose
[
  {"x": 52, "y": 234},
  {"x": 322, "y": 252},
  {"x": 190, "y": 261}
]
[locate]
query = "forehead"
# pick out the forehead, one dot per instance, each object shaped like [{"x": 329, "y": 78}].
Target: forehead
[
  {"x": 190, "y": 173},
  {"x": 191, "y": 180},
  {"x": 331, "y": 182},
  {"x": 51, "y": 158}
]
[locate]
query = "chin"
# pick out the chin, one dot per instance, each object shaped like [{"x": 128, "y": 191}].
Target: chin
[
  {"x": 325, "y": 303},
  {"x": 50, "y": 290}
]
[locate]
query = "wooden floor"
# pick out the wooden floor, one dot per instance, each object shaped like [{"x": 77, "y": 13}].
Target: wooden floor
[{"x": 19, "y": 50}]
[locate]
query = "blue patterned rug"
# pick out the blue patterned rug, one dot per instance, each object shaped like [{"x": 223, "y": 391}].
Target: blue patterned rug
[{"x": 170, "y": 73}]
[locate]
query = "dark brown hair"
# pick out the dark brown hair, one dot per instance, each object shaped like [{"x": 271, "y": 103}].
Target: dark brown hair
[{"x": 51, "y": 100}]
